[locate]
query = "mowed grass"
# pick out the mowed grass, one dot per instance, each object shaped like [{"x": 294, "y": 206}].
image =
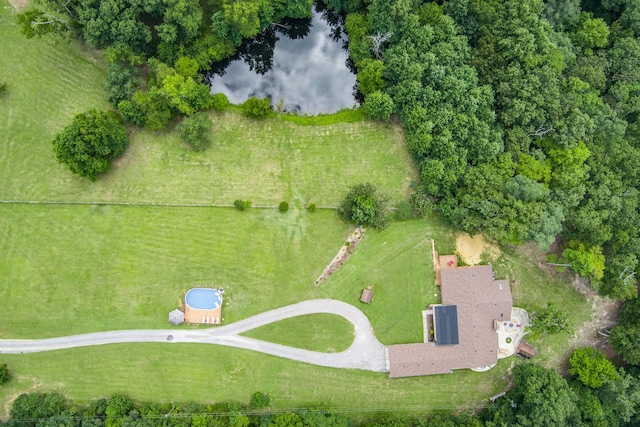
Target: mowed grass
[
  {"x": 80, "y": 268},
  {"x": 74, "y": 269},
  {"x": 318, "y": 332},
  {"x": 47, "y": 85},
  {"x": 396, "y": 263},
  {"x": 265, "y": 161},
  {"x": 179, "y": 372}
]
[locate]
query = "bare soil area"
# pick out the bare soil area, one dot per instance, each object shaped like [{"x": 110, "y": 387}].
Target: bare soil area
[
  {"x": 18, "y": 4},
  {"x": 474, "y": 250}
]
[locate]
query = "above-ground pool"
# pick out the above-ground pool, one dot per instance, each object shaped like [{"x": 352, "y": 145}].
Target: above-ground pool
[{"x": 203, "y": 298}]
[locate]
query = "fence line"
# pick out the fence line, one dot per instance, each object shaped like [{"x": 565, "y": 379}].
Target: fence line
[{"x": 149, "y": 204}]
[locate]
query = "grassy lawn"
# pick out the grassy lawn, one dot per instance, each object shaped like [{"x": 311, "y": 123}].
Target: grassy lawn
[
  {"x": 181, "y": 372},
  {"x": 75, "y": 269},
  {"x": 47, "y": 84},
  {"x": 396, "y": 263},
  {"x": 111, "y": 267},
  {"x": 533, "y": 288},
  {"x": 318, "y": 332},
  {"x": 265, "y": 161}
]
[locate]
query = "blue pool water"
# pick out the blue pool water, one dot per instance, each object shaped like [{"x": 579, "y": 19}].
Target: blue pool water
[{"x": 203, "y": 298}]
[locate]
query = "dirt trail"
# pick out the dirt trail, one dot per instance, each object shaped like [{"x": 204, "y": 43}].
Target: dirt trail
[{"x": 604, "y": 314}]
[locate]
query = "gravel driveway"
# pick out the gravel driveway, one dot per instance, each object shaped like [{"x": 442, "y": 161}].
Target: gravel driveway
[{"x": 365, "y": 353}]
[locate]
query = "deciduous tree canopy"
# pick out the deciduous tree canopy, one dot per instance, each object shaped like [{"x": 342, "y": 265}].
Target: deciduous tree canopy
[{"x": 89, "y": 142}]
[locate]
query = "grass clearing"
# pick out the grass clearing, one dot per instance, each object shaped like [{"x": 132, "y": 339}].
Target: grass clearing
[
  {"x": 183, "y": 372},
  {"x": 533, "y": 288},
  {"x": 47, "y": 85},
  {"x": 264, "y": 161},
  {"x": 301, "y": 161},
  {"x": 75, "y": 269},
  {"x": 318, "y": 332}
]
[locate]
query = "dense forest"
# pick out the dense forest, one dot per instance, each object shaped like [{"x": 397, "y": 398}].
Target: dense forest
[{"x": 522, "y": 115}]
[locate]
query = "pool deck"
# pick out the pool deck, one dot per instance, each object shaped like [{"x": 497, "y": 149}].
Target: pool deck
[
  {"x": 202, "y": 316},
  {"x": 198, "y": 315}
]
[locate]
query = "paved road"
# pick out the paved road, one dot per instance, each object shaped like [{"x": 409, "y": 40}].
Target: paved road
[{"x": 366, "y": 352}]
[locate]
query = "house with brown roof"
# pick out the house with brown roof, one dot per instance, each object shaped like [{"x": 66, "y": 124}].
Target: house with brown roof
[{"x": 466, "y": 330}]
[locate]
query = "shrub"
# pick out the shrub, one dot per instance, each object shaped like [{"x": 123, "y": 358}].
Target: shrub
[
  {"x": 550, "y": 319},
  {"x": 131, "y": 112},
  {"x": 5, "y": 375},
  {"x": 312, "y": 207},
  {"x": 259, "y": 400},
  {"x": 364, "y": 206},
  {"x": 423, "y": 203},
  {"x": 257, "y": 108},
  {"x": 195, "y": 130},
  {"x": 241, "y": 204},
  {"x": 283, "y": 206},
  {"x": 122, "y": 82},
  {"x": 3, "y": 89},
  {"x": 378, "y": 106},
  {"x": 219, "y": 102}
]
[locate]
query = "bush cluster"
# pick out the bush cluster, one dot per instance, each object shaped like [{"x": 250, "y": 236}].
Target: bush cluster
[
  {"x": 241, "y": 204},
  {"x": 195, "y": 130}
]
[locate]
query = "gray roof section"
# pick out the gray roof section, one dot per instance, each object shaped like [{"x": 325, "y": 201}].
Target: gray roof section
[{"x": 446, "y": 324}]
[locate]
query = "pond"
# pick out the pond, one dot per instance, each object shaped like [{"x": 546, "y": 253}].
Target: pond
[{"x": 300, "y": 64}]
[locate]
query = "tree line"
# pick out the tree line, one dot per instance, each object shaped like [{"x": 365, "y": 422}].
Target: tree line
[{"x": 597, "y": 394}]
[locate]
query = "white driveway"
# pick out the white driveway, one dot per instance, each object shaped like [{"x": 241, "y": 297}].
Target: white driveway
[{"x": 366, "y": 352}]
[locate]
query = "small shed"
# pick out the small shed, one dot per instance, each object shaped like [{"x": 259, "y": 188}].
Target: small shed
[
  {"x": 367, "y": 296},
  {"x": 176, "y": 317},
  {"x": 526, "y": 350}
]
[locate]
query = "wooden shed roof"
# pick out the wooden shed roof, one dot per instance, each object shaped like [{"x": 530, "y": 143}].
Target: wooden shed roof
[{"x": 367, "y": 296}]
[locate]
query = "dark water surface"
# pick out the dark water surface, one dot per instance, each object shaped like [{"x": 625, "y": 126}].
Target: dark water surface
[{"x": 306, "y": 73}]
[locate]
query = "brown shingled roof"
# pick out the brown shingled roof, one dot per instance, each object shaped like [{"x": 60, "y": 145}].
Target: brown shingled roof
[
  {"x": 367, "y": 296},
  {"x": 480, "y": 301}
]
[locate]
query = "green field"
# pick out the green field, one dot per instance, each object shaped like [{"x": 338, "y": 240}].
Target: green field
[
  {"x": 316, "y": 332},
  {"x": 69, "y": 269}
]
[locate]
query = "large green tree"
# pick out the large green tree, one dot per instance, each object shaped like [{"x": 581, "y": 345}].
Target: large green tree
[
  {"x": 541, "y": 397},
  {"x": 592, "y": 367},
  {"x": 89, "y": 142},
  {"x": 364, "y": 206}
]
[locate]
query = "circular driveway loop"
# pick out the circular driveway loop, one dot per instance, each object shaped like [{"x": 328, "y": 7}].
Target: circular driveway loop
[{"x": 366, "y": 352}]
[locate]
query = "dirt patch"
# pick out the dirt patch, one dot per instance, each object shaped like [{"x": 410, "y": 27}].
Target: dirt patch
[
  {"x": 475, "y": 250},
  {"x": 18, "y": 4},
  {"x": 604, "y": 315}
]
